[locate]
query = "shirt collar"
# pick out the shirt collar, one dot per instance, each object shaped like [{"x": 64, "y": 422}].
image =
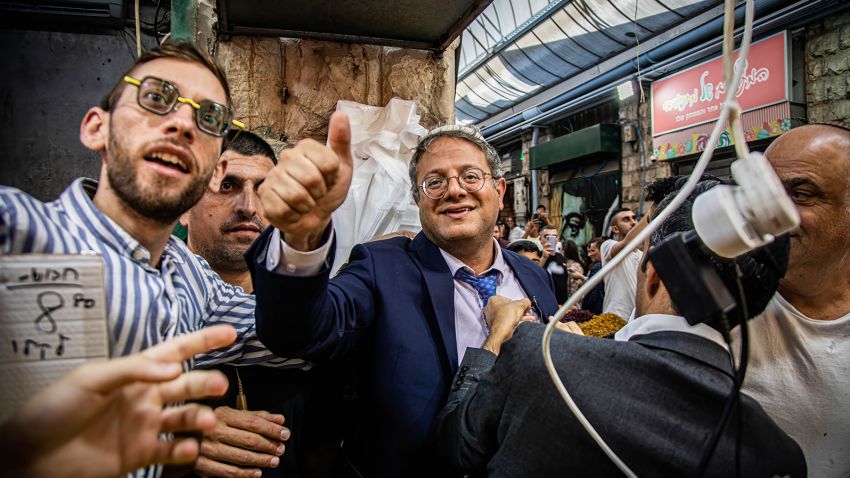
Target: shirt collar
[
  {"x": 647, "y": 324},
  {"x": 499, "y": 263},
  {"x": 77, "y": 202}
]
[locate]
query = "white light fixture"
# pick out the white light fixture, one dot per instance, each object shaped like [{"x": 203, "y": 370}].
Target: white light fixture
[
  {"x": 732, "y": 220},
  {"x": 626, "y": 90}
]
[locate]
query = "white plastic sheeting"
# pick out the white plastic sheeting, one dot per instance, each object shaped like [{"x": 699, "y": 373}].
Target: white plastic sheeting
[{"x": 379, "y": 200}]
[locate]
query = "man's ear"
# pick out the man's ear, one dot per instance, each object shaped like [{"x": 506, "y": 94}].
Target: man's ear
[
  {"x": 218, "y": 175},
  {"x": 94, "y": 129},
  {"x": 501, "y": 185},
  {"x": 184, "y": 219},
  {"x": 653, "y": 281}
]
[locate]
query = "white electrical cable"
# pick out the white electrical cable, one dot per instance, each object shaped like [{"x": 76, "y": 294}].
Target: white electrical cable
[
  {"x": 687, "y": 189},
  {"x": 138, "y": 32}
]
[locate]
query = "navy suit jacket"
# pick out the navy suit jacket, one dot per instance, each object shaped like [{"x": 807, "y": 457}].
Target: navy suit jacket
[{"x": 390, "y": 309}]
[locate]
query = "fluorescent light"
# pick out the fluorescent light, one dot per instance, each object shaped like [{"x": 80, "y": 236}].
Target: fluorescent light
[{"x": 625, "y": 90}]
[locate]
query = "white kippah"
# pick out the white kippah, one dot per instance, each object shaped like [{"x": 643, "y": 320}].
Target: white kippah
[{"x": 471, "y": 130}]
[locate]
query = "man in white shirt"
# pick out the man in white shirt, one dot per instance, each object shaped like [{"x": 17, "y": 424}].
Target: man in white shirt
[
  {"x": 800, "y": 347},
  {"x": 514, "y": 231},
  {"x": 621, "y": 283}
]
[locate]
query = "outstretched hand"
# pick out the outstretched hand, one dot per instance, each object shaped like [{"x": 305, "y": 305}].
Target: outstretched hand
[
  {"x": 309, "y": 183},
  {"x": 105, "y": 419}
]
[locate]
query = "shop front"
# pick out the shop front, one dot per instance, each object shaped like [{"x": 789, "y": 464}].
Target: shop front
[
  {"x": 583, "y": 179},
  {"x": 685, "y": 105}
]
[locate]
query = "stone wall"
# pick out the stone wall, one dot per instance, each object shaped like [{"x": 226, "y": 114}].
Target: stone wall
[
  {"x": 828, "y": 69},
  {"x": 632, "y": 159},
  {"x": 288, "y": 88}
]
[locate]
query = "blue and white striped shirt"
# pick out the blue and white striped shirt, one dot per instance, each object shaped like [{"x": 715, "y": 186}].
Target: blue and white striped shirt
[{"x": 144, "y": 304}]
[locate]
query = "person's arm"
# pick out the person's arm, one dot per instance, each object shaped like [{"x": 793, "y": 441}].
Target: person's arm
[
  {"x": 308, "y": 184},
  {"x": 467, "y": 425},
  {"x": 298, "y": 197},
  {"x": 631, "y": 235},
  {"x": 313, "y": 317},
  {"x": 547, "y": 253},
  {"x": 530, "y": 227},
  {"x": 106, "y": 419},
  {"x": 466, "y": 432},
  {"x": 576, "y": 272}
]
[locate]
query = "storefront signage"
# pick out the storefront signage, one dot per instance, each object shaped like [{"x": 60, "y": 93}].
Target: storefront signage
[{"x": 696, "y": 95}]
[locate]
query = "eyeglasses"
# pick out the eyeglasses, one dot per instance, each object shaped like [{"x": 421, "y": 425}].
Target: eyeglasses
[
  {"x": 471, "y": 180},
  {"x": 161, "y": 97}
]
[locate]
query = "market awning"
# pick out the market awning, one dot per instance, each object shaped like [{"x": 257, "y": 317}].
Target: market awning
[{"x": 515, "y": 49}]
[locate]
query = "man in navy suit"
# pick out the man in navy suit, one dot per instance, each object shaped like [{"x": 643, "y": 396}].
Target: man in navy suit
[{"x": 402, "y": 311}]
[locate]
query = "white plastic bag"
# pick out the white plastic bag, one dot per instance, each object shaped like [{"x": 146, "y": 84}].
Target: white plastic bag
[{"x": 379, "y": 200}]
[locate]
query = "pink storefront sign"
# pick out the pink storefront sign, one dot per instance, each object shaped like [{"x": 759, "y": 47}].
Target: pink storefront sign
[{"x": 695, "y": 96}]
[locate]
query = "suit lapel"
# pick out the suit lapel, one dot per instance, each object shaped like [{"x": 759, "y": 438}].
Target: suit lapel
[{"x": 438, "y": 280}]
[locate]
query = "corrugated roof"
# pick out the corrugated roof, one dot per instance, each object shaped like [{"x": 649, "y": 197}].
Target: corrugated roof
[{"x": 517, "y": 48}]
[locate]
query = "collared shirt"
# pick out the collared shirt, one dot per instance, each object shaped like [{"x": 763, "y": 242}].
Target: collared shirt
[
  {"x": 647, "y": 324},
  {"x": 145, "y": 305},
  {"x": 470, "y": 328}
]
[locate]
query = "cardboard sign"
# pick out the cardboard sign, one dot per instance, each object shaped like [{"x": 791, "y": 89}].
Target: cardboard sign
[{"x": 52, "y": 319}]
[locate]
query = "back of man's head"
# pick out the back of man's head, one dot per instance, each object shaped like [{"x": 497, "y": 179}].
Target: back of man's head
[
  {"x": 247, "y": 143},
  {"x": 760, "y": 269},
  {"x": 524, "y": 245}
]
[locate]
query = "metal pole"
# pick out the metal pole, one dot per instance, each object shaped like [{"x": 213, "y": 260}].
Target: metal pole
[{"x": 535, "y": 135}]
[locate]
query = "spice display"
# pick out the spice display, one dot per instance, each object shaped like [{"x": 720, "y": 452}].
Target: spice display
[{"x": 604, "y": 325}]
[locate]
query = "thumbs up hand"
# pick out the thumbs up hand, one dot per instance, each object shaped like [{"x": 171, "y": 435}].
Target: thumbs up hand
[{"x": 309, "y": 182}]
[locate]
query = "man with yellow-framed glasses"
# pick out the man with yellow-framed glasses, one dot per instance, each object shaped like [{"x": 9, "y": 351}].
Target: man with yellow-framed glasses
[{"x": 159, "y": 134}]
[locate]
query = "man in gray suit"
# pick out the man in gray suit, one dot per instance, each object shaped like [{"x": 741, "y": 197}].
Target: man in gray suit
[{"x": 655, "y": 395}]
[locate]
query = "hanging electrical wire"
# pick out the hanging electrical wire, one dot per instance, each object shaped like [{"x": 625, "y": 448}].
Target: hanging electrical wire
[
  {"x": 728, "y": 110},
  {"x": 138, "y": 31}
]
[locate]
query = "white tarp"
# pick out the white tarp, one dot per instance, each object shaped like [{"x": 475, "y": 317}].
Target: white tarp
[{"x": 379, "y": 200}]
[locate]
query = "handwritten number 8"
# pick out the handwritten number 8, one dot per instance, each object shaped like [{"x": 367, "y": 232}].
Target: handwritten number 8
[{"x": 46, "y": 310}]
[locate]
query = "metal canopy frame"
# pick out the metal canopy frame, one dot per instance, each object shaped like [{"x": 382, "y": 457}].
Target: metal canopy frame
[
  {"x": 420, "y": 24},
  {"x": 506, "y": 61}
]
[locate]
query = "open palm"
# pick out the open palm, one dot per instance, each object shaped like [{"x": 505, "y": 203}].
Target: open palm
[{"x": 105, "y": 419}]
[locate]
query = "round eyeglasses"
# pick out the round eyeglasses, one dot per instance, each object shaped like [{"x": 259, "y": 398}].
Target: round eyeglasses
[
  {"x": 161, "y": 97},
  {"x": 471, "y": 180}
]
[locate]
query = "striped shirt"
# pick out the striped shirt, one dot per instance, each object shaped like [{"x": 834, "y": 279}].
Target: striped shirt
[{"x": 144, "y": 304}]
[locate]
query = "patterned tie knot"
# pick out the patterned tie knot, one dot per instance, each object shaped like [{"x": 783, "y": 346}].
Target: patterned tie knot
[{"x": 485, "y": 284}]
